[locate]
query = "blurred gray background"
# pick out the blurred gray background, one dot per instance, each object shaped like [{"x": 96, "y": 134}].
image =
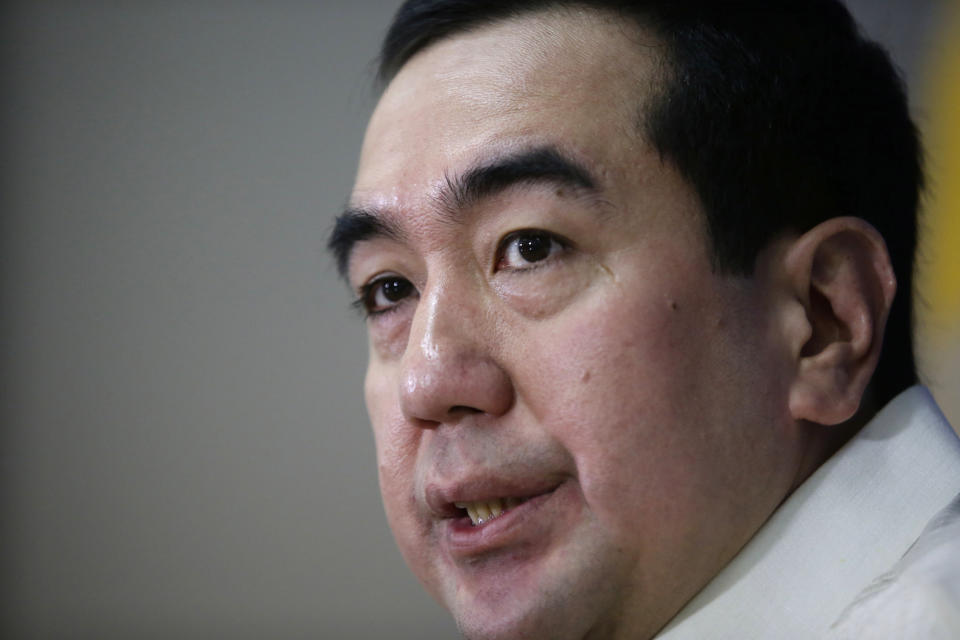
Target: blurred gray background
[{"x": 185, "y": 452}]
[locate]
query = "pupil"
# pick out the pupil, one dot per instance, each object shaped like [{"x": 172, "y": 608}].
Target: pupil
[
  {"x": 533, "y": 248},
  {"x": 395, "y": 290}
]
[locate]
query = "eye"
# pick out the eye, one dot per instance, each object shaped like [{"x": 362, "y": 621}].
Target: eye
[
  {"x": 384, "y": 293},
  {"x": 523, "y": 249}
]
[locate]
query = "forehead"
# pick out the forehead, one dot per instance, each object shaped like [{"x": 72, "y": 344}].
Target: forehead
[{"x": 576, "y": 79}]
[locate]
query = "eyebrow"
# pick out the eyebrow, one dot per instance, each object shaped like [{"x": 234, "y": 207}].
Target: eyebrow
[{"x": 544, "y": 164}]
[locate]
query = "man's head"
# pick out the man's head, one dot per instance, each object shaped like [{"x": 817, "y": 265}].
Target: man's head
[{"x": 610, "y": 296}]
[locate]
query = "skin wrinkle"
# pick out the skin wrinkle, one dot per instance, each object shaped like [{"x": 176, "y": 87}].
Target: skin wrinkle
[{"x": 454, "y": 196}]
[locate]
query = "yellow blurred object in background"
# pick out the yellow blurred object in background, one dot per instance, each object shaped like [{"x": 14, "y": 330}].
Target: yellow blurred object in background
[{"x": 938, "y": 277}]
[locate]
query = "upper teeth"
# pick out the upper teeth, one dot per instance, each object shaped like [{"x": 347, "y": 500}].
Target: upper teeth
[{"x": 486, "y": 510}]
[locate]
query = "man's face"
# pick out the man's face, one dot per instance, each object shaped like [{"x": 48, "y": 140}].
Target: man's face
[{"x": 548, "y": 339}]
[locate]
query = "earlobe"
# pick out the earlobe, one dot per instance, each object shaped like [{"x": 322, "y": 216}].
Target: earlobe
[{"x": 841, "y": 274}]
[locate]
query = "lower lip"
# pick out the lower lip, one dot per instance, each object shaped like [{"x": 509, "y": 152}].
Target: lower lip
[{"x": 524, "y": 523}]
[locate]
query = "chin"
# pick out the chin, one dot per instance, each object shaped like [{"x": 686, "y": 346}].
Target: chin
[
  {"x": 558, "y": 609},
  {"x": 514, "y": 623}
]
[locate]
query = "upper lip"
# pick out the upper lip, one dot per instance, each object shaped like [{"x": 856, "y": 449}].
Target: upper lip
[{"x": 442, "y": 496}]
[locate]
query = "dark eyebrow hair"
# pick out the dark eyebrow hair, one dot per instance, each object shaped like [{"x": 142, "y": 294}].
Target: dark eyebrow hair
[
  {"x": 488, "y": 178},
  {"x": 540, "y": 164},
  {"x": 355, "y": 225}
]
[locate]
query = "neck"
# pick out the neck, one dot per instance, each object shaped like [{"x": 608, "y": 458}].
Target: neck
[{"x": 826, "y": 440}]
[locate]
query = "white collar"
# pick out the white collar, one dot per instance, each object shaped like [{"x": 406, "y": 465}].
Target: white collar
[{"x": 848, "y": 523}]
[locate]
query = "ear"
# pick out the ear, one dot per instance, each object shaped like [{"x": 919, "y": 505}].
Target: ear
[{"x": 840, "y": 272}]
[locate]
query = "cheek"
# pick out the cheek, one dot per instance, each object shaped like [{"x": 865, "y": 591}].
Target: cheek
[
  {"x": 622, "y": 396},
  {"x": 388, "y": 332},
  {"x": 397, "y": 447},
  {"x": 396, "y": 443}
]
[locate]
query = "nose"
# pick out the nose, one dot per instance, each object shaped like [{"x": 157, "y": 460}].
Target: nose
[{"x": 448, "y": 369}]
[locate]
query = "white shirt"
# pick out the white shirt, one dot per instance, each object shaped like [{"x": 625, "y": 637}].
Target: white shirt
[
  {"x": 809, "y": 572},
  {"x": 919, "y": 597}
]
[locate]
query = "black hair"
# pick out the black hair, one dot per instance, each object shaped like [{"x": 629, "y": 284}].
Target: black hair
[{"x": 779, "y": 113}]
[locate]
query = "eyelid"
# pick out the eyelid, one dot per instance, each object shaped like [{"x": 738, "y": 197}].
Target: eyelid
[
  {"x": 504, "y": 244},
  {"x": 362, "y": 302}
]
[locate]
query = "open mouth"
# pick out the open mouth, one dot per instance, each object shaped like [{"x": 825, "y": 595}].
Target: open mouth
[
  {"x": 528, "y": 518},
  {"x": 483, "y": 511}
]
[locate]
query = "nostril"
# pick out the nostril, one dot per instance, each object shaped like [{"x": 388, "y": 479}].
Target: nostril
[{"x": 463, "y": 409}]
